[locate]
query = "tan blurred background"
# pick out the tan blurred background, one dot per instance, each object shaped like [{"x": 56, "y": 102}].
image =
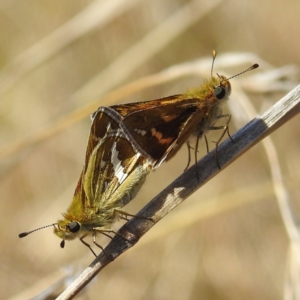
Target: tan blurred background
[{"x": 59, "y": 56}]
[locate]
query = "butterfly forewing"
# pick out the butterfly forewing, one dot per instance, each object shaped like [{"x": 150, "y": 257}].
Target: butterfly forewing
[
  {"x": 158, "y": 128},
  {"x": 102, "y": 125}
]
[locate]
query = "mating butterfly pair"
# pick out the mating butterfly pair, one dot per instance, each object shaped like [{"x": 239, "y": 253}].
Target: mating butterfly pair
[{"x": 128, "y": 141}]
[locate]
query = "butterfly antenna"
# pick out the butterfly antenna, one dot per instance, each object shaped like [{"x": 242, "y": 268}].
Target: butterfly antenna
[
  {"x": 23, "y": 234},
  {"x": 214, "y": 54},
  {"x": 255, "y": 66}
]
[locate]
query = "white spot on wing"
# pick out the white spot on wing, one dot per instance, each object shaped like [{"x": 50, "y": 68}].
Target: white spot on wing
[
  {"x": 117, "y": 164},
  {"x": 141, "y": 132}
]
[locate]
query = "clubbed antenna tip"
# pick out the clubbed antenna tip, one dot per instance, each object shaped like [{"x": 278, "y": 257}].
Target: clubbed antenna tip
[{"x": 23, "y": 234}]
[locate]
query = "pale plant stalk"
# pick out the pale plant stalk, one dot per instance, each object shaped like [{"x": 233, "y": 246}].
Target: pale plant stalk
[{"x": 284, "y": 203}]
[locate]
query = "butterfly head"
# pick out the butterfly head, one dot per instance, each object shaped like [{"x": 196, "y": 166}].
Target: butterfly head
[
  {"x": 221, "y": 87},
  {"x": 67, "y": 230},
  {"x": 220, "y": 84}
]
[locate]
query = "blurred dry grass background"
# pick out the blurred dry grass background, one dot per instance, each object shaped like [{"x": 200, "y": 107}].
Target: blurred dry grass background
[{"x": 57, "y": 58}]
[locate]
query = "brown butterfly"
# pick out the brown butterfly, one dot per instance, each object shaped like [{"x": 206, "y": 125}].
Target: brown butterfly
[
  {"x": 113, "y": 173},
  {"x": 158, "y": 128}
]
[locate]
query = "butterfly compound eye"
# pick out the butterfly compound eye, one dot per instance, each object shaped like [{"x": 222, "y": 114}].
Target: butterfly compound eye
[
  {"x": 74, "y": 226},
  {"x": 219, "y": 92}
]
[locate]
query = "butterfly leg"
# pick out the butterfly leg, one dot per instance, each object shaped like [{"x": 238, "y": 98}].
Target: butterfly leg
[
  {"x": 94, "y": 241},
  {"x": 225, "y": 130},
  {"x": 195, "y": 152},
  {"x": 196, "y": 149},
  {"x": 206, "y": 142},
  {"x": 86, "y": 244},
  {"x": 124, "y": 215},
  {"x": 189, "y": 155},
  {"x": 106, "y": 233}
]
